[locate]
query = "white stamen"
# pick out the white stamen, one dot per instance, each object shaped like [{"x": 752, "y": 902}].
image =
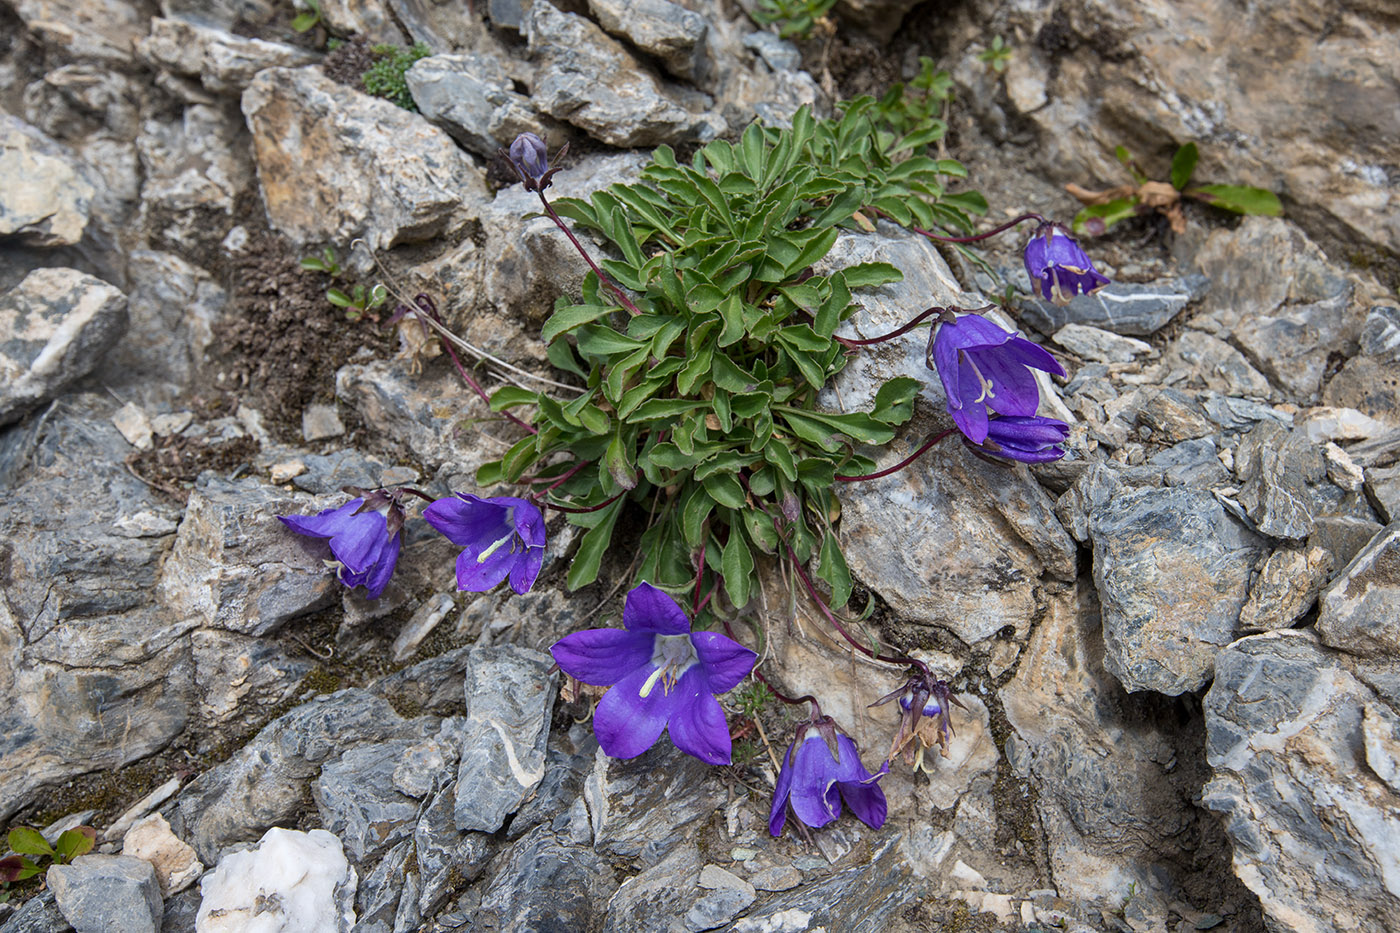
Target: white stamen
[
  {"x": 481, "y": 558},
  {"x": 651, "y": 682},
  {"x": 986, "y": 383}
]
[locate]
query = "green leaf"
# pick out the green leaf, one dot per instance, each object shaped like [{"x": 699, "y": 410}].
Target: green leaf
[
  {"x": 489, "y": 474},
  {"x": 871, "y": 274},
  {"x": 510, "y": 396},
  {"x": 731, "y": 311},
  {"x": 778, "y": 454},
  {"x": 75, "y": 842},
  {"x": 303, "y": 22},
  {"x": 829, "y": 315},
  {"x": 566, "y": 319},
  {"x": 1184, "y": 165},
  {"x": 665, "y": 408},
  {"x": 596, "y": 340},
  {"x": 1239, "y": 199},
  {"x": 338, "y": 298},
  {"x": 521, "y": 456},
  {"x": 562, "y": 355},
  {"x": 1095, "y": 219},
  {"x": 894, "y": 402},
  {"x": 725, "y": 490},
  {"x": 695, "y": 508},
  {"x": 26, "y": 841},
  {"x": 737, "y": 562},
  {"x": 618, "y": 460},
  {"x": 834, "y": 571},
  {"x": 584, "y": 569}
]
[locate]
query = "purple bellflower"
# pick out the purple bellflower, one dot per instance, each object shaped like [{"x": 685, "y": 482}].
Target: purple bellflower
[
  {"x": 500, "y": 537},
  {"x": 661, "y": 675},
  {"x": 364, "y": 536},
  {"x": 1058, "y": 268},
  {"x": 529, "y": 156},
  {"x": 821, "y": 768},
  {"x": 982, "y": 367},
  {"x": 1030, "y": 440},
  {"x": 925, "y": 721}
]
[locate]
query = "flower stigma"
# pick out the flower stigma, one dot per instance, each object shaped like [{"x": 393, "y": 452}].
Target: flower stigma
[{"x": 673, "y": 656}]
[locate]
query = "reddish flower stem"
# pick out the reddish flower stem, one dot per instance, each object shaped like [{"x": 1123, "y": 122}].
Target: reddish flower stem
[
  {"x": 424, "y": 304},
  {"x": 928, "y": 445},
  {"x": 965, "y": 239},
  {"x": 592, "y": 508},
  {"x": 602, "y": 276},
  {"x": 559, "y": 481}
]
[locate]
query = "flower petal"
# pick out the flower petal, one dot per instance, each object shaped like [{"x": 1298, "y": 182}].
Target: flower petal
[
  {"x": 627, "y": 723},
  {"x": 323, "y": 524},
  {"x": 697, "y": 725},
  {"x": 777, "y": 816},
  {"x": 526, "y": 569},
  {"x": 381, "y": 572},
  {"x": 725, "y": 662},
  {"x": 945, "y": 362},
  {"x": 529, "y": 523},
  {"x": 360, "y": 541},
  {"x": 648, "y": 609},
  {"x": 867, "y": 802},
  {"x": 814, "y": 798},
  {"x": 603, "y": 656},
  {"x": 971, "y": 418},
  {"x": 1013, "y": 389},
  {"x": 1029, "y": 353},
  {"x": 468, "y": 520},
  {"x": 477, "y": 576}
]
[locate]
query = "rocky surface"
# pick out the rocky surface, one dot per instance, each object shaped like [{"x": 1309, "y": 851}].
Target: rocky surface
[{"x": 254, "y": 742}]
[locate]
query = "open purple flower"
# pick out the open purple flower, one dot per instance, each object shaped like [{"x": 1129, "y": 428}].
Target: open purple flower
[
  {"x": 662, "y": 676},
  {"x": 821, "y": 768},
  {"x": 1030, "y": 440},
  {"x": 982, "y": 367},
  {"x": 1058, "y": 268},
  {"x": 500, "y": 537},
  {"x": 364, "y": 536},
  {"x": 529, "y": 156}
]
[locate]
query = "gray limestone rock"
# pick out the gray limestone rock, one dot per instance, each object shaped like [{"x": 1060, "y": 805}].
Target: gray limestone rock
[
  {"x": 657, "y": 898},
  {"x": 444, "y": 26},
  {"x": 665, "y": 30},
  {"x": 716, "y": 908},
  {"x": 1305, "y": 756},
  {"x": 369, "y": 18},
  {"x": 1173, "y": 416},
  {"x": 54, "y": 327},
  {"x": 359, "y": 803},
  {"x": 1380, "y": 334},
  {"x": 1260, "y": 269},
  {"x": 501, "y": 743},
  {"x": 1357, "y": 612},
  {"x": 446, "y": 856},
  {"x": 104, "y": 30},
  {"x": 1191, "y": 463},
  {"x": 1286, "y": 488},
  {"x": 329, "y": 173},
  {"x": 99, "y": 893},
  {"x": 377, "y": 897},
  {"x": 46, "y": 193},
  {"x": 195, "y": 167},
  {"x": 236, "y": 567},
  {"x": 473, "y": 97},
  {"x": 1172, "y": 571},
  {"x": 1121, "y": 307},
  {"x": 1211, "y": 363},
  {"x": 1286, "y": 588},
  {"x": 268, "y": 779},
  {"x": 222, "y": 62},
  {"x": 544, "y": 883},
  {"x": 39, "y": 914},
  {"x": 588, "y": 79},
  {"x": 1296, "y": 345},
  {"x": 1092, "y": 343},
  {"x": 642, "y": 808}
]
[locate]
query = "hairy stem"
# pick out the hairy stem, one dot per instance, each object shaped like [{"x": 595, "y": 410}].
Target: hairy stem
[
  {"x": 928, "y": 445},
  {"x": 602, "y": 276}
]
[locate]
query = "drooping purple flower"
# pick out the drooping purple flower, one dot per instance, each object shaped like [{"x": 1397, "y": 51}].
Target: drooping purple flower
[
  {"x": 529, "y": 156},
  {"x": 822, "y": 767},
  {"x": 982, "y": 367},
  {"x": 364, "y": 536},
  {"x": 926, "y": 721},
  {"x": 1030, "y": 440},
  {"x": 500, "y": 537},
  {"x": 1058, "y": 268},
  {"x": 662, "y": 676}
]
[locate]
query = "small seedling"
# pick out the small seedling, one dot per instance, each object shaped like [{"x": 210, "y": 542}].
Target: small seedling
[
  {"x": 997, "y": 55},
  {"x": 1107, "y": 207},
  {"x": 326, "y": 262},
  {"x": 308, "y": 19},
  {"x": 385, "y": 78},
  {"x": 359, "y": 302},
  {"x": 795, "y": 18},
  {"x": 25, "y": 842}
]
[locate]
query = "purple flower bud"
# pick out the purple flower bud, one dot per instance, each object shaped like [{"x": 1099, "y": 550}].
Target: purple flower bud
[
  {"x": 500, "y": 537},
  {"x": 821, "y": 768},
  {"x": 662, "y": 676},
  {"x": 1058, "y": 268},
  {"x": 364, "y": 537},
  {"x": 1030, "y": 440},
  {"x": 984, "y": 367},
  {"x": 530, "y": 156}
]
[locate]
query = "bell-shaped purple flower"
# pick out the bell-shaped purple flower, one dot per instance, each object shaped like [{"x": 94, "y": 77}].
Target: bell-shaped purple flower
[
  {"x": 982, "y": 367},
  {"x": 1030, "y": 440},
  {"x": 1058, "y": 268},
  {"x": 662, "y": 676},
  {"x": 364, "y": 536},
  {"x": 529, "y": 156},
  {"x": 500, "y": 537},
  {"x": 822, "y": 767}
]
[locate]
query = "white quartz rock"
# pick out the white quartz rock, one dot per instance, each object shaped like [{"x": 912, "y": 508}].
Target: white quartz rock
[{"x": 293, "y": 882}]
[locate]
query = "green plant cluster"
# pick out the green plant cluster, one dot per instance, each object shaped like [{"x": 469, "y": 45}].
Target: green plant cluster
[
  {"x": 358, "y": 301},
  {"x": 794, "y": 18},
  {"x": 24, "y": 842},
  {"x": 385, "y": 78},
  {"x": 703, "y": 408},
  {"x": 1096, "y": 219}
]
